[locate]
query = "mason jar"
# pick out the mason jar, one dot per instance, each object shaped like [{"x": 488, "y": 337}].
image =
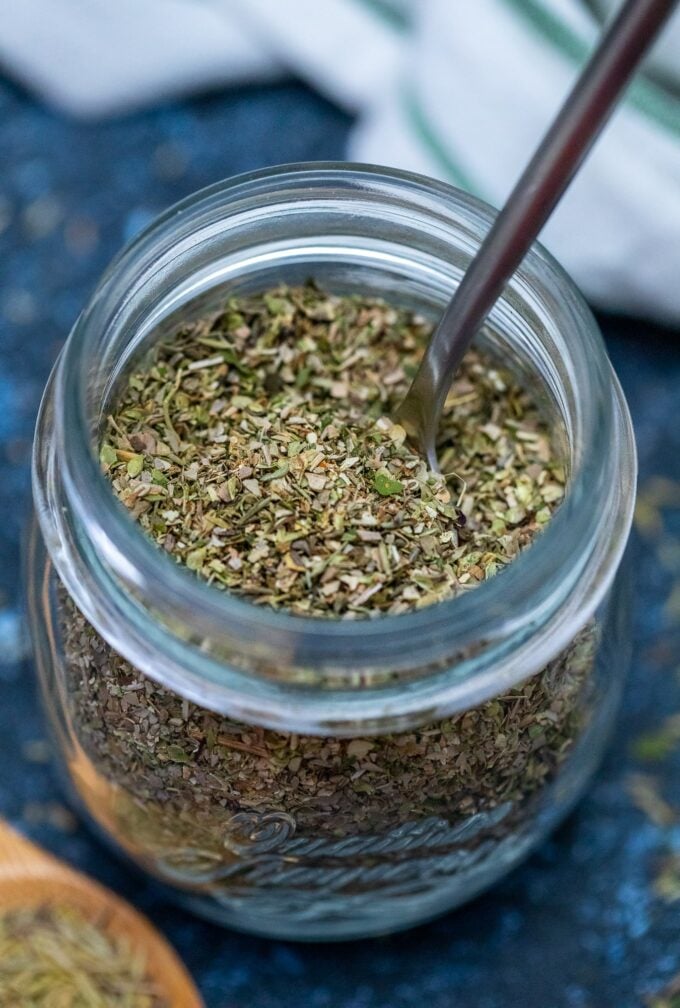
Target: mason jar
[{"x": 304, "y": 777}]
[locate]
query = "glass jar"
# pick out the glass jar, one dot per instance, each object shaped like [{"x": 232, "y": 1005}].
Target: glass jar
[{"x": 309, "y": 778}]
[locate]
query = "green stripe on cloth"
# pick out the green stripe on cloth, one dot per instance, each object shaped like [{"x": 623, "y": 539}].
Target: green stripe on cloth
[
  {"x": 439, "y": 150},
  {"x": 649, "y": 99},
  {"x": 387, "y": 13}
]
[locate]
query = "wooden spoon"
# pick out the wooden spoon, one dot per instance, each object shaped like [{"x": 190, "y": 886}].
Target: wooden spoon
[{"x": 29, "y": 878}]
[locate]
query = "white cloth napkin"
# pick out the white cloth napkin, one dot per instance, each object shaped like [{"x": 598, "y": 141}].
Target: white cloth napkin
[{"x": 458, "y": 89}]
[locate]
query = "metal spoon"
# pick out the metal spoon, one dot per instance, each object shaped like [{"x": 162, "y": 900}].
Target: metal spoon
[{"x": 531, "y": 202}]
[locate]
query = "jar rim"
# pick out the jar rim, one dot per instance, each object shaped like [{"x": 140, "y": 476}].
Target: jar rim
[{"x": 120, "y": 550}]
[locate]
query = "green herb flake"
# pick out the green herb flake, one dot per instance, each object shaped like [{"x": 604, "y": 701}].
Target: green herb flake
[
  {"x": 107, "y": 455},
  {"x": 386, "y": 485},
  {"x": 196, "y": 558},
  {"x": 135, "y": 466},
  {"x": 658, "y": 745}
]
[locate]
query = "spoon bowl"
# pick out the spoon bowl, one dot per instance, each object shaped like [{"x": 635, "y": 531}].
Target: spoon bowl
[{"x": 31, "y": 878}]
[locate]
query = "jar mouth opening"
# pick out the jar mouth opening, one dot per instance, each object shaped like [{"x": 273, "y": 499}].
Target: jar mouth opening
[{"x": 125, "y": 559}]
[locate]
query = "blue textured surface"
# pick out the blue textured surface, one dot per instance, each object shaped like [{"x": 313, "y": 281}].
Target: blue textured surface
[{"x": 579, "y": 926}]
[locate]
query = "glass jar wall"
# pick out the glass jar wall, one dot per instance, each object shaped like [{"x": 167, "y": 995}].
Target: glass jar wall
[{"x": 312, "y": 778}]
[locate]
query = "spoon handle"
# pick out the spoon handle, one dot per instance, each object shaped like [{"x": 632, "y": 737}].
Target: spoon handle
[{"x": 531, "y": 202}]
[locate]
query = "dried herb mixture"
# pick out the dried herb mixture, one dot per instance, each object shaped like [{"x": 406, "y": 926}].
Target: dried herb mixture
[
  {"x": 200, "y": 768},
  {"x": 255, "y": 446},
  {"x": 53, "y": 956}
]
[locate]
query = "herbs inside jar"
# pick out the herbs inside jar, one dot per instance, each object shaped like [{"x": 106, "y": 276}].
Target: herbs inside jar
[{"x": 255, "y": 446}]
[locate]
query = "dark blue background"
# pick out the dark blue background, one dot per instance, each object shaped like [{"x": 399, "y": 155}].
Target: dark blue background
[{"x": 579, "y": 926}]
